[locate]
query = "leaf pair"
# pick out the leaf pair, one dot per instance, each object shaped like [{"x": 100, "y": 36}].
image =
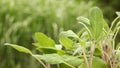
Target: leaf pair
[{"x": 45, "y": 44}]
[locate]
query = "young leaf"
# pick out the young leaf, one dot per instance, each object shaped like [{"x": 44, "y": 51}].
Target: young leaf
[
  {"x": 67, "y": 43},
  {"x": 43, "y": 40},
  {"x": 19, "y": 48},
  {"x": 68, "y": 33},
  {"x": 84, "y": 20},
  {"x": 118, "y": 13},
  {"x": 96, "y": 22},
  {"x": 86, "y": 27}
]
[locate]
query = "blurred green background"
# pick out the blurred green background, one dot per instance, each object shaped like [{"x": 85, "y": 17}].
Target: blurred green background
[{"x": 20, "y": 19}]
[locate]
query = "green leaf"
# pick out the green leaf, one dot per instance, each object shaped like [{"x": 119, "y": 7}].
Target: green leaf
[
  {"x": 67, "y": 43},
  {"x": 98, "y": 63},
  {"x": 43, "y": 40},
  {"x": 68, "y": 33},
  {"x": 96, "y": 22},
  {"x": 50, "y": 58},
  {"x": 84, "y": 20},
  {"x": 97, "y": 51},
  {"x": 19, "y": 48},
  {"x": 62, "y": 65},
  {"x": 72, "y": 60},
  {"x": 57, "y": 59}
]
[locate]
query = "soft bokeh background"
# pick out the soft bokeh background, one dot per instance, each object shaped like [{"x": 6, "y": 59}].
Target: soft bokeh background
[{"x": 20, "y": 19}]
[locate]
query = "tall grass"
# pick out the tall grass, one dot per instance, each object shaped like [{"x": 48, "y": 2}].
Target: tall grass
[{"x": 20, "y": 19}]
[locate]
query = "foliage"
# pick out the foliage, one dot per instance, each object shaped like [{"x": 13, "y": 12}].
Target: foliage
[
  {"x": 19, "y": 19},
  {"x": 78, "y": 50}
]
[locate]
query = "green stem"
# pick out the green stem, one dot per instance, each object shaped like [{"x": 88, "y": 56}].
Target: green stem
[
  {"x": 39, "y": 61},
  {"x": 113, "y": 24},
  {"x": 91, "y": 55},
  {"x": 116, "y": 27},
  {"x": 84, "y": 54},
  {"x": 116, "y": 34},
  {"x": 69, "y": 65}
]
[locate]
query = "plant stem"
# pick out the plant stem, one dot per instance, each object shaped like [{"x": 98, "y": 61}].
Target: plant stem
[
  {"x": 116, "y": 34},
  {"x": 48, "y": 65},
  {"x": 112, "y": 24},
  {"x": 85, "y": 57},
  {"x": 39, "y": 61},
  {"x": 58, "y": 66},
  {"x": 84, "y": 54},
  {"x": 91, "y": 55}
]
